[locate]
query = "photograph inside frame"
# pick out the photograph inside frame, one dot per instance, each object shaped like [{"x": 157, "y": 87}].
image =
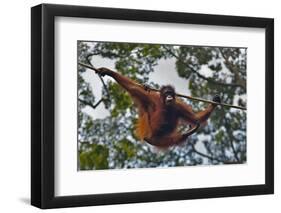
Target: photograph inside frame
[{"x": 160, "y": 105}]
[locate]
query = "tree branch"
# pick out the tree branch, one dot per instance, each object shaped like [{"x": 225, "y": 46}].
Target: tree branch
[
  {"x": 102, "y": 81},
  {"x": 210, "y": 80},
  {"x": 212, "y": 158},
  {"x": 204, "y": 155},
  {"x": 234, "y": 151},
  {"x": 232, "y": 146},
  {"x": 90, "y": 104},
  {"x": 233, "y": 69}
]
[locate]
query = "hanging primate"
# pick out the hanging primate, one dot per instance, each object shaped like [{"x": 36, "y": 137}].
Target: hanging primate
[{"x": 161, "y": 113}]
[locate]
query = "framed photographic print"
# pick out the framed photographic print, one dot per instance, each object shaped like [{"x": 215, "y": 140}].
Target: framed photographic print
[{"x": 140, "y": 106}]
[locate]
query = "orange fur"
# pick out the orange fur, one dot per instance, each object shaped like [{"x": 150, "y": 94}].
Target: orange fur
[
  {"x": 159, "y": 127},
  {"x": 142, "y": 127}
]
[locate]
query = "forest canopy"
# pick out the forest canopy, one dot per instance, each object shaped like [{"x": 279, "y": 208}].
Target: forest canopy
[{"x": 108, "y": 141}]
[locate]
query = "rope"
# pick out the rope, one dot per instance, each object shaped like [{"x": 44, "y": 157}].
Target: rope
[{"x": 179, "y": 95}]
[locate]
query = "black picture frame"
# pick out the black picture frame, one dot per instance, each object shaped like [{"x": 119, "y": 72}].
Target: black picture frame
[{"x": 43, "y": 102}]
